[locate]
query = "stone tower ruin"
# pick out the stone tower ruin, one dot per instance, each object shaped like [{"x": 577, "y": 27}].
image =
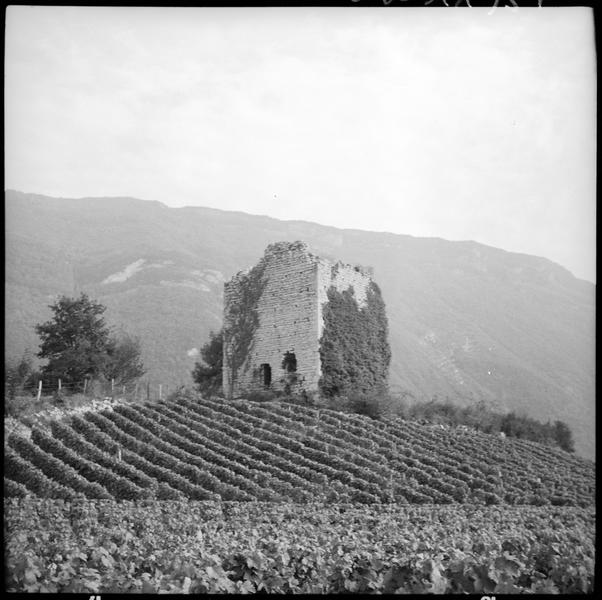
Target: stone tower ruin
[{"x": 297, "y": 322}]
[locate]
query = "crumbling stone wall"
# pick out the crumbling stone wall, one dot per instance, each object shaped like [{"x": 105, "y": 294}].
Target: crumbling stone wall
[
  {"x": 273, "y": 319},
  {"x": 287, "y": 322}
]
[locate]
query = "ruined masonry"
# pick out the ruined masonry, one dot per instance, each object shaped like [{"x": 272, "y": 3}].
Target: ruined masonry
[{"x": 274, "y": 318}]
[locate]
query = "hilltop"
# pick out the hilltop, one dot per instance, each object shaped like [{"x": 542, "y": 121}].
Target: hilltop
[{"x": 466, "y": 321}]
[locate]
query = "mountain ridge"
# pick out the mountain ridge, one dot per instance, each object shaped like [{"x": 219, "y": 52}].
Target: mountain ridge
[
  {"x": 466, "y": 320},
  {"x": 301, "y": 222}
]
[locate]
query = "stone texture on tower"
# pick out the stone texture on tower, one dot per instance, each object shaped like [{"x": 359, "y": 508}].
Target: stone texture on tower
[{"x": 273, "y": 319}]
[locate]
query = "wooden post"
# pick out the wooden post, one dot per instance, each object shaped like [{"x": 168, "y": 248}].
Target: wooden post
[
  {"x": 85, "y": 385},
  {"x": 39, "y": 391},
  {"x": 59, "y": 384},
  {"x": 112, "y": 386},
  {"x": 147, "y": 391},
  {"x": 160, "y": 389}
]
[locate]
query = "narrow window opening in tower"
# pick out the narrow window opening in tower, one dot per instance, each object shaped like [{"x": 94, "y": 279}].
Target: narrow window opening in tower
[
  {"x": 289, "y": 364},
  {"x": 266, "y": 374}
]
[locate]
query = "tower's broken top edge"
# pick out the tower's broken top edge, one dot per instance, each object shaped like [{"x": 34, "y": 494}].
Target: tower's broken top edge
[
  {"x": 302, "y": 247},
  {"x": 278, "y": 247}
]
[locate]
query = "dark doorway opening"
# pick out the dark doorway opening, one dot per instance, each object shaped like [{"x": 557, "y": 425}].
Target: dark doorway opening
[
  {"x": 266, "y": 374},
  {"x": 289, "y": 364}
]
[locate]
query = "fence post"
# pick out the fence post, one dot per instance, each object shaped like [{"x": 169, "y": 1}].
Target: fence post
[
  {"x": 39, "y": 391},
  {"x": 85, "y": 385},
  {"x": 160, "y": 389},
  {"x": 59, "y": 385},
  {"x": 112, "y": 390}
]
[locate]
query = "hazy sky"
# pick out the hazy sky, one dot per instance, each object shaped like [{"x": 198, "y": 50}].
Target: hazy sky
[{"x": 447, "y": 122}]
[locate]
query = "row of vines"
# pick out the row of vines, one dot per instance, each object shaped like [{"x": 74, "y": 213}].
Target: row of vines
[{"x": 209, "y": 450}]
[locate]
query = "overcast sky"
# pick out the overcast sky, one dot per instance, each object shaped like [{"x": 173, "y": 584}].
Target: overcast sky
[{"x": 461, "y": 123}]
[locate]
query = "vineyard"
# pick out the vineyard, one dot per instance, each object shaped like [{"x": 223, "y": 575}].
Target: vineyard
[
  {"x": 93, "y": 546},
  {"x": 191, "y": 495},
  {"x": 188, "y": 448}
]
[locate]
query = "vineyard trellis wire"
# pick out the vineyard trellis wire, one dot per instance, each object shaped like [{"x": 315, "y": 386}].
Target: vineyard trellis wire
[{"x": 49, "y": 388}]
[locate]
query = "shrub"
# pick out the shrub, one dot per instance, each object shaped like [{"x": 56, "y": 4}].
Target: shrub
[
  {"x": 370, "y": 405},
  {"x": 263, "y": 395},
  {"x": 374, "y": 405},
  {"x": 20, "y": 375},
  {"x": 208, "y": 376},
  {"x": 183, "y": 394},
  {"x": 58, "y": 398}
]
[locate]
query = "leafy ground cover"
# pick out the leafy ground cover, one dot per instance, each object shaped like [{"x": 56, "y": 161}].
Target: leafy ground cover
[
  {"x": 208, "y": 450},
  {"x": 105, "y": 546}
]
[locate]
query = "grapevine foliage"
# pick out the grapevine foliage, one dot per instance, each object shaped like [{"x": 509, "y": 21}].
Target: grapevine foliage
[
  {"x": 99, "y": 546},
  {"x": 210, "y": 449},
  {"x": 197, "y": 495}
]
